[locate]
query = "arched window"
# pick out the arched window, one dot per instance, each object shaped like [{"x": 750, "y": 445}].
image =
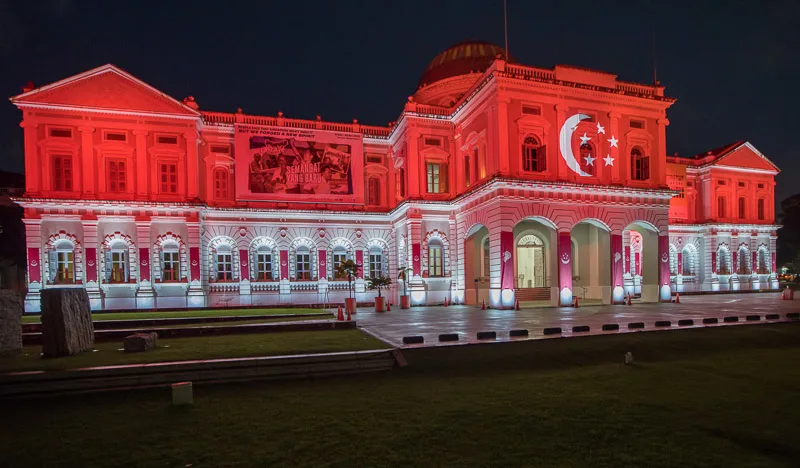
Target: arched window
[
  {"x": 435, "y": 258},
  {"x": 763, "y": 261},
  {"x": 375, "y": 262},
  {"x": 62, "y": 263},
  {"x": 723, "y": 261},
  {"x": 264, "y": 264},
  {"x": 117, "y": 263},
  {"x": 640, "y": 165},
  {"x": 221, "y": 184},
  {"x": 467, "y": 170},
  {"x": 224, "y": 262},
  {"x": 373, "y": 191},
  {"x": 486, "y": 258},
  {"x": 743, "y": 267},
  {"x": 533, "y": 155},
  {"x": 587, "y": 158},
  {"x": 170, "y": 262},
  {"x": 339, "y": 257},
  {"x": 302, "y": 258},
  {"x": 687, "y": 256}
]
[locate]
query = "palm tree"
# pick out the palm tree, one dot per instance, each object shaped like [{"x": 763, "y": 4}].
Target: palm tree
[
  {"x": 379, "y": 283},
  {"x": 349, "y": 268}
]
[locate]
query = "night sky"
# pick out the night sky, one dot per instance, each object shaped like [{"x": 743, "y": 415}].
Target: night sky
[{"x": 730, "y": 64}]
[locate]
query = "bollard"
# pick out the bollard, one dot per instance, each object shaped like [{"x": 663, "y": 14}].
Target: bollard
[{"x": 182, "y": 394}]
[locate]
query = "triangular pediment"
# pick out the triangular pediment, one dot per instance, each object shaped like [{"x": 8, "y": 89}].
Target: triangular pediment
[
  {"x": 746, "y": 156},
  {"x": 105, "y": 88}
]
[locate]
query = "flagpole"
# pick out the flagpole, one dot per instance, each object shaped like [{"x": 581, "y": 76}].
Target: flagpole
[{"x": 505, "y": 25}]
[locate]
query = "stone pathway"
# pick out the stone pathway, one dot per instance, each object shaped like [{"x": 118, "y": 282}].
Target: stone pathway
[{"x": 467, "y": 321}]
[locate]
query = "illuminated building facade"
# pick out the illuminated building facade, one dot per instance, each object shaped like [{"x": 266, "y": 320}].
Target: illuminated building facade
[{"x": 498, "y": 181}]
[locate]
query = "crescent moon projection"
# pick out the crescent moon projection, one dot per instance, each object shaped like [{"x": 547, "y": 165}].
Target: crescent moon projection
[{"x": 566, "y": 143}]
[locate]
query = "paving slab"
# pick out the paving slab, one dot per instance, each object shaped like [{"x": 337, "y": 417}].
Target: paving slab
[{"x": 467, "y": 321}]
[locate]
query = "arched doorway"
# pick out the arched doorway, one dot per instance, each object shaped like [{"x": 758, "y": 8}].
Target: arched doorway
[
  {"x": 477, "y": 265},
  {"x": 531, "y": 268},
  {"x": 591, "y": 261},
  {"x": 641, "y": 267}
]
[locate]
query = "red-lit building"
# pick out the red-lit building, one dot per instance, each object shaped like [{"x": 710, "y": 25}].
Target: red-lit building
[{"x": 498, "y": 181}]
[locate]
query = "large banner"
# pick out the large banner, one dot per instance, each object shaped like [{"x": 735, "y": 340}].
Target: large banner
[{"x": 298, "y": 164}]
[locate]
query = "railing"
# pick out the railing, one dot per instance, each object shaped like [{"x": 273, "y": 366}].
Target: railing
[
  {"x": 303, "y": 286},
  {"x": 268, "y": 286},
  {"x": 218, "y": 118},
  {"x": 530, "y": 72},
  {"x": 223, "y": 118},
  {"x": 223, "y": 287},
  {"x": 633, "y": 88}
]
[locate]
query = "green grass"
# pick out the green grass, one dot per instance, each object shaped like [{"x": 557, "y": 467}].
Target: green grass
[
  {"x": 718, "y": 397},
  {"x": 201, "y": 347},
  {"x": 187, "y": 313},
  {"x": 226, "y": 323}
]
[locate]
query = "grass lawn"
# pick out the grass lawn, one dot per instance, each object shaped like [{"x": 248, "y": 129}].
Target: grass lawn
[
  {"x": 202, "y": 347},
  {"x": 187, "y": 313},
  {"x": 717, "y": 397},
  {"x": 225, "y": 323}
]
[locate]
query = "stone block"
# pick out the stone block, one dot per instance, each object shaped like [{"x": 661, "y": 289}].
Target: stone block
[
  {"x": 11, "y": 308},
  {"x": 518, "y": 333},
  {"x": 685, "y": 322},
  {"x": 448, "y": 337},
  {"x": 635, "y": 325},
  {"x": 552, "y": 331},
  {"x": 611, "y": 327},
  {"x": 66, "y": 322},
  {"x": 731, "y": 319},
  {"x": 413, "y": 339},
  {"x": 710, "y": 320},
  {"x": 580, "y": 329},
  {"x": 140, "y": 342},
  {"x": 487, "y": 335},
  {"x": 663, "y": 323}
]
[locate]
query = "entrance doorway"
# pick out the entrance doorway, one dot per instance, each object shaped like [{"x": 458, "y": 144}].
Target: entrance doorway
[{"x": 531, "y": 270}]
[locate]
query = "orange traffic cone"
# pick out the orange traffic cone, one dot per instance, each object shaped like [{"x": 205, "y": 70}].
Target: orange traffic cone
[
  {"x": 629, "y": 299},
  {"x": 483, "y": 305},
  {"x": 445, "y": 302},
  {"x": 516, "y": 306},
  {"x": 677, "y": 298},
  {"x": 576, "y": 303},
  {"x": 388, "y": 306},
  {"x": 339, "y": 314},
  {"x": 349, "y": 317}
]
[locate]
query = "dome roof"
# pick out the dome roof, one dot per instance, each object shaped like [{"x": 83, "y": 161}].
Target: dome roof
[{"x": 460, "y": 59}]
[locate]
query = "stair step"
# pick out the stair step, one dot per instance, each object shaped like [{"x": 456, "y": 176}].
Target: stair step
[{"x": 532, "y": 294}]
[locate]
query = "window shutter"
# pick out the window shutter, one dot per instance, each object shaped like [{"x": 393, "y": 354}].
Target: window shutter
[
  {"x": 443, "y": 169},
  {"x": 127, "y": 259},
  {"x": 107, "y": 266},
  {"x": 541, "y": 156},
  {"x": 53, "y": 265}
]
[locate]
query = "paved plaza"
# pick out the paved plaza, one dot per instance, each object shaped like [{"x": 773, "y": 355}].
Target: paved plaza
[{"x": 467, "y": 321}]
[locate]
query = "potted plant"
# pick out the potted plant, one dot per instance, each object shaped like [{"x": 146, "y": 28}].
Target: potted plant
[
  {"x": 379, "y": 283},
  {"x": 405, "y": 299},
  {"x": 350, "y": 269}
]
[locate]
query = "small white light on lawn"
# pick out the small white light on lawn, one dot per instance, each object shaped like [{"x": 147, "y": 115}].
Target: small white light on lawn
[
  {"x": 628, "y": 358},
  {"x": 182, "y": 394}
]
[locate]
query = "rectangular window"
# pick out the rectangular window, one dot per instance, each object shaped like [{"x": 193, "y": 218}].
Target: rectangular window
[
  {"x": 61, "y": 132},
  {"x": 531, "y": 110},
  {"x": 375, "y": 265},
  {"x": 742, "y": 204},
  {"x": 435, "y": 260},
  {"x": 62, "y": 173},
  {"x": 720, "y": 182},
  {"x": 167, "y": 140},
  {"x": 65, "y": 267},
  {"x": 375, "y": 159},
  {"x": 115, "y": 170},
  {"x": 467, "y": 172},
  {"x": 761, "y": 209},
  {"x": 637, "y": 123},
  {"x": 169, "y": 178},
  {"x": 118, "y": 267},
  {"x": 220, "y": 149},
  {"x": 264, "y": 267},
  {"x": 115, "y": 136},
  {"x": 171, "y": 266},
  {"x": 338, "y": 259},
  {"x": 721, "y": 207},
  {"x": 373, "y": 191},
  {"x": 303, "y": 266},
  {"x": 224, "y": 267},
  {"x": 430, "y": 141},
  {"x": 741, "y": 184},
  {"x": 401, "y": 182},
  {"x": 761, "y": 186},
  {"x": 437, "y": 178}
]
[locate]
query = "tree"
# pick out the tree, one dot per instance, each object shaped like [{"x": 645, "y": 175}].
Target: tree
[
  {"x": 789, "y": 234},
  {"x": 402, "y": 276},
  {"x": 349, "y": 268},
  {"x": 379, "y": 283}
]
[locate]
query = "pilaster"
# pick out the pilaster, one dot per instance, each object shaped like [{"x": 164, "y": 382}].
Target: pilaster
[{"x": 88, "y": 163}]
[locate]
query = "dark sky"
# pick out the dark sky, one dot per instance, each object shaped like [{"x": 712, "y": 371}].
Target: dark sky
[{"x": 730, "y": 64}]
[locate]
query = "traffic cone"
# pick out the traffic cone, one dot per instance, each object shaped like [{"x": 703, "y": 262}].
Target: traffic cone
[
  {"x": 388, "y": 306},
  {"x": 577, "y": 306},
  {"x": 340, "y": 315},
  {"x": 629, "y": 299},
  {"x": 677, "y": 298},
  {"x": 516, "y": 306},
  {"x": 445, "y": 302},
  {"x": 483, "y": 305},
  {"x": 349, "y": 317}
]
